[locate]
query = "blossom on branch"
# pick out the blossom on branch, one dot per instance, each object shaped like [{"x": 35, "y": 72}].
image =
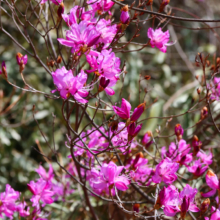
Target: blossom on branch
[
  {"x": 67, "y": 84},
  {"x": 107, "y": 176},
  {"x": 159, "y": 39},
  {"x": 165, "y": 171},
  {"x": 41, "y": 191},
  {"x": 8, "y": 201}
]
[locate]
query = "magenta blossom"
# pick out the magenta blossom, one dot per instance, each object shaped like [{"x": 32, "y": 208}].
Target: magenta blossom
[
  {"x": 109, "y": 175},
  {"x": 8, "y": 201},
  {"x": 124, "y": 111},
  {"x": 206, "y": 159},
  {"x": 44, "y": 175},
  {"x": 198, "y": 168},
  {"x": 168, "y": 199},
  {"x": 179, "y": 154},
  {"x": 3, "y": 71},
  {"x": 215, "y": 214},
  {"x": 120, "y": 137},
  {"x": 101, "y": 5},
  {"x": 68, "y": 84},
  {"x": 165, "y": 171},
  {"x": 214, "y": 87},
  {"x": 80, "y": 36},
  {"x": 105, "y": 64},
  {"x": 178, "y": 130},
  {"x": 159, "y": 39},
  {"x": 23, "y": 209},
  {"x": 71, "y": 18},
  {"x": 141, "y": 171},
  {"x": 107, "y": 32},
  {"x": 187, "y": 197},
  {"x": 174, "y": 202},
  {"x": 77, "y": 12},
  {"x": 41, "y": 190}
]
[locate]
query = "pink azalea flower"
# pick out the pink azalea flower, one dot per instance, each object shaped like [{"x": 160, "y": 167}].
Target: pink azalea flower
[
  {"x": 198, "y": 168},
  {"x": 174, "y": 202},
  {"x": 120, "y": 135},
  {"x": 23, "y": 209},
  {"x": 79, "y": 35},
  {"x": 178, "y": 154},
  {"x": 206, "y": 159},
  {"x": 68, "y": 84},
  {"x": 165, "y": 171},
  {"x": 41, "y": 190},
  {"x": 133, "y": 130},
  {"x": 107, "y": 32},
  {"x": 213, "y": 182},
  {"x": 71, "y": 18},
  {"x": 8, "y": 201},
  {"x": 178, "y": 130},
  {"x": 105, "y": 64},
  {"x": 124, "y": 111},
  {"x": 141, "y": 171},
  {"x": 108, "y": 175},
  {"x": 159, "y": 39},
  {"x": 147, "y": 139},
  {"x": 106, "y": 84},
  {"x": 187, "y": 199},
  {"x": 44, "y": 175},
  {"x": 101, "y": 5}
]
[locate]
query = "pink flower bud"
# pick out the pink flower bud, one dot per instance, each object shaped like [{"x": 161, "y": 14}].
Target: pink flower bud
[
  {"x": 104, "y": 82},
  {"x": 179, "y": 130},
  {"x": 125, "y": 18},
  {"x": 124, "y": 111},
  {"x": 138, "y": 112},
  {"x": 133, "y": 130},
  {"x": 147, "y": 137},
  {"x": 159, "y": 39},
  {"x": 185, "y": 206},
  {"x": 21, "y": 60}
]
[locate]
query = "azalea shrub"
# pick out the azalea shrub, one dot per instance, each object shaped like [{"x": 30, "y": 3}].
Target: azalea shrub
[{"x": 108, "y": 163}]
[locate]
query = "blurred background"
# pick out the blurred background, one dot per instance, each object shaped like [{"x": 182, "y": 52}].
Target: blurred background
[{"x": 172, "y": 84}]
